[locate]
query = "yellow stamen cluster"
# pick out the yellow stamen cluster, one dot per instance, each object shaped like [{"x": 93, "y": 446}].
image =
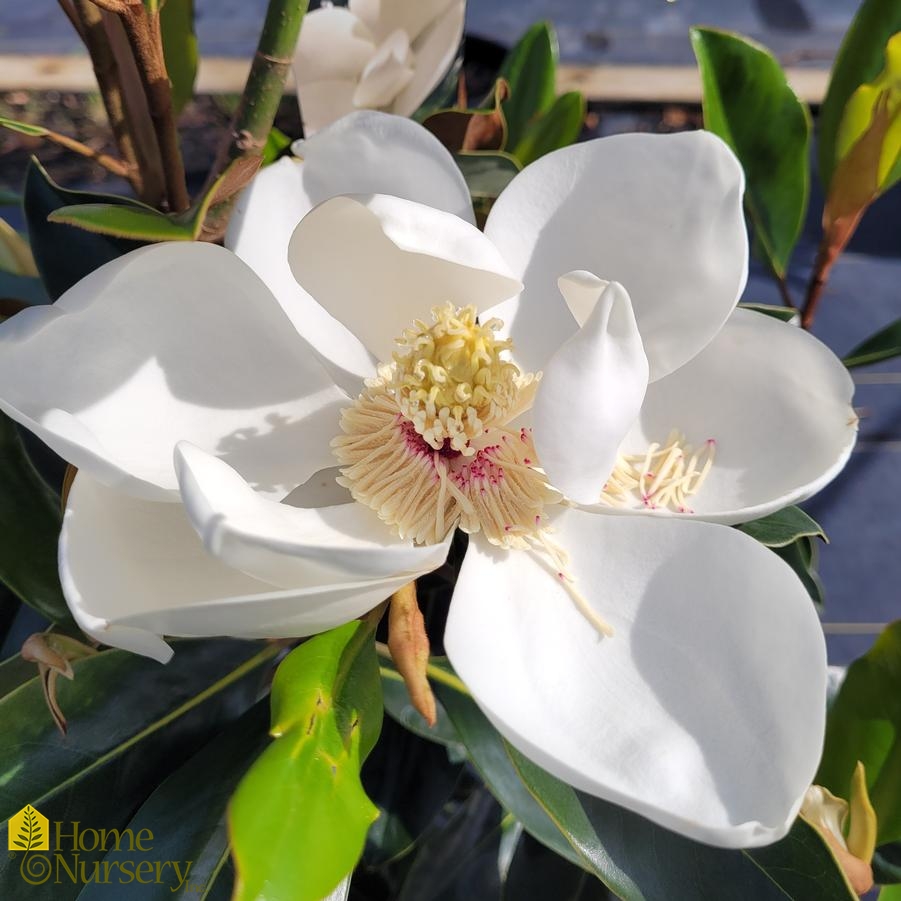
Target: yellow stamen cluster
[
  {"x": 664, "y": 477},
  {"x": 449, "y": 380}
]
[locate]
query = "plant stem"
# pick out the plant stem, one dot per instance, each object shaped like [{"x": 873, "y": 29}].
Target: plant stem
[
  {"x": 145, "y": 37},
  {"x": 110, "y": 163},
  {"x": 826, "y": 257},
  {"x": 784, "y": 293},
  {"x": 257, "y": 108}
]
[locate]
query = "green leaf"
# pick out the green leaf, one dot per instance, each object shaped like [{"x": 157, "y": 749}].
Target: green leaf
[
  {"x": 860, "y": 60},
  {"x": 277, "y": 142},
  {"x": 131, "y": 723},
  {"x": 749, "y": 104},
  {"x": 783, "y": 527},
  {"x": 887, "y": 864},
  {"x": 15, "y": 255},
  {"x": 487, "y": 173},
  {"x": 559, "y": 127},
  {"x": 632, "y": 856},
  {"x": 803, "y": 556},
  {"x": 299, "y": 818},
  {"x": 530, "y": 69},
  {"x": 143, "y": 224},
  {"x": 23, "y": 128},
  {"x": 864, "y": 723},
  {"x": 30, "y": 520},
  {"x": 9, "y": 198},
  {"x": 179, "y": 49},
  {"x": 24, "y": 288},
  {"x": 187, "y": 812},
  {"x": 782, "y": 313},
  {"x": 890, "y": 893},
  {"x": 63, "y": 254},
  {"x": 884, "y": 345}
]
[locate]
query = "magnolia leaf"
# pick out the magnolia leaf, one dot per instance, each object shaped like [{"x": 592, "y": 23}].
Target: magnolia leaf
[
  {"x": 23, "y": 128},
  {"x": 802, "y": 556},
  {"x": 64, "y": 255},
  {"x": 750, "y": 105},
  {"x": 890, "y": 893},
  {"x": 134, "y": 223},
  {"x": 30, "y": 520},
  {"x": 864, "y": 723},
  {"x": 530, "y": 69},
  {"x": 559, "y": 127},
  {"x": 472, "y": 129},
  {"x": 277, "y": 142},
  {"x": 884, "y": 345},
  {"x": 486, "y": 174},
  {"x": 783, "y": 527},
  {"x": 15, "y": 254},
  {"x": 9, "y": 198},
  {"x": 299, "y": 818},
  {"x": 179, "y": 49},
  {"x": 860, "y": 60},
  {"x": 782, "y": 313},
  {"x": 635, "y": 858},
  {"x": 132, "y": 722},
  {"x": 887, "y": 864}
]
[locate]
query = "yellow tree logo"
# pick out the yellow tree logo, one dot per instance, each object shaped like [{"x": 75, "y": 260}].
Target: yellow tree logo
[{"x": 29, "y": 830}]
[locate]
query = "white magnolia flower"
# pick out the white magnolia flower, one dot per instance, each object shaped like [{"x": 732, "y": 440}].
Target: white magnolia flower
[
  {"x": 374, "y": 54},
  {"x": 704, "y": 709}
]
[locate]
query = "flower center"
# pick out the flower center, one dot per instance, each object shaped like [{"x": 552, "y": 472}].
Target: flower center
[
  {"x": 664, "y": 477},
  {"x": 449, "y": 379}
]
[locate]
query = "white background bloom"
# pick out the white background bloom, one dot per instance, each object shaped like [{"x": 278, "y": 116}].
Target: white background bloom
[
  {"x": 374, "y": 54},
  {"x": 705, "y": 710}
]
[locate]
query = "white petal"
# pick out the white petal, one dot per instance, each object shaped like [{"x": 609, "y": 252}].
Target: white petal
[
  {"x": 778, "y": 404},
  {"x": 378, "y": 263},
  {"x": 170, "y": 342},
  {"x": 387, "y": 73},
  {"x": 324, "y": 102},
  {"x": 287, "y": 545},
  {"x": 333, "y": 45},
  {"x": 434, "y": 52},
  {"x": 661, "y": 214},
  {"x": 591, "y": 391},
  {"x": 133, "y": 571},
  {"x": 385, "y": 16},
  {"x": 703, "y": 712},
  {"x": 364, "y": 153}
]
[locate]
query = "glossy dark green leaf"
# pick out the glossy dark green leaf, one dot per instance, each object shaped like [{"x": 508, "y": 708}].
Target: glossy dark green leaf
[
  {"x": 22, "y": 287},
  {"x": 634, "y": 857},
  {"x": 134, "y": 223},
  {"x": 30, "y": 521},
  {"x": 530, "y": 69},
  {"x": 559, "y": 127},
  {"x": 860, "y": 60},
  {"x": 802, "y": 556},
  {"x": 132, "y": 722},
  {"x": 887, "y": 864},
  {"x": 299, "y": 818},
  {"x": 782, "y": 313},
  {"x": 487, "y": 173},
  {"x": 864, "y": 723},
  {"x": 883, "y": 345},
  {"x": 9, "y": 198},
  {"x": 783, "y": 527},
  {"x": 186, "y": 815},
  {"x": 180, "y": 49},
  {"x": 749, "y": 104},
  {"x": 64, "y": 255}
]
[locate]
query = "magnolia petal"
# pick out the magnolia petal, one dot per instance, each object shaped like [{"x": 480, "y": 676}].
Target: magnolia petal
[
  {"x": 324, "y": 102},
  {"x": 334, "y": 45},
  {"x": 169, "y": 342},
  {"x": 387, "y": 73},
  {"x": 434, "y": 52},
  {"x": 133, "y": 571},
  {"x": 661, "y": 214},
  {"x": 289, "y": 546},
  {"x": 777, "y": 402},
  {"x": 364, "y": 153},
  {"x": 385, "y": 16},
  {"x": 703, "y": 712},
  {"x": 591, "y": 390},
  {"x": 407, "y": 258}
]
